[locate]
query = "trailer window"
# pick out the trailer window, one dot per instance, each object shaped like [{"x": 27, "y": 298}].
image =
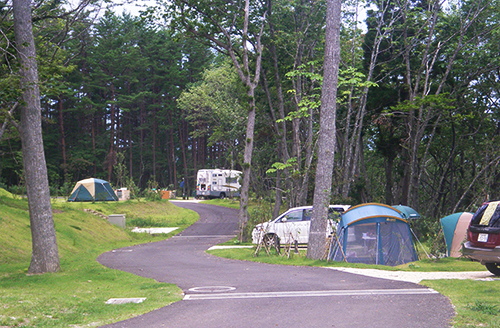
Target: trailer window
[{"x": 231, "y": 180}]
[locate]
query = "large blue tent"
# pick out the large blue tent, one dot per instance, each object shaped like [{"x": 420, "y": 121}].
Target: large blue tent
[
  {"x": 374, "y": 234},
  {"x": 90, "y": 190}
]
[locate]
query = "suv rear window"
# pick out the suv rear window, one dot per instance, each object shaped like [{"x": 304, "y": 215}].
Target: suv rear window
[{"x": 488, "y": 215}]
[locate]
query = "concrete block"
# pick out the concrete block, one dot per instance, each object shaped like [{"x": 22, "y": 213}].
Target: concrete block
[{"x": 117, "y": 219}]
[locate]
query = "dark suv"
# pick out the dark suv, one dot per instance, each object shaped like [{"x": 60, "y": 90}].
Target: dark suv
[{"x": 483, "y": 237}]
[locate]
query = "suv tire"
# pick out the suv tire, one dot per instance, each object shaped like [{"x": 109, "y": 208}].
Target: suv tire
[{"x": 493, "y": 268}]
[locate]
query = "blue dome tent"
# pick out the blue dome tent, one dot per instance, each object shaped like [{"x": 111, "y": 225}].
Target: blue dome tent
[
  {"x": 90, "y": 190},
  {"x": 373, "y": 233}
]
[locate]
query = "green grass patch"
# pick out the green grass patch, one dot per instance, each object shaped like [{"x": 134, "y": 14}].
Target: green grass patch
[
  {"x": 477, "y": 303},
  {"x": 77, "y": 294},
  {"x": 227, "y": 202},
  {"x": 427, "y": 265},
  {"x": 138, "y": 212}
]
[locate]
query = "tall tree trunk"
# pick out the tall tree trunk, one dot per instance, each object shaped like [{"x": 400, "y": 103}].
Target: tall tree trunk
[
  {"x": 171, "y": 152},
  {"x": 303, "y": 190},
  {"x": 141, "y": 143},
  {"x": 389, "y": 164},
  {"x": 247, "y": 169},
  {"x": 94, "y": 150},
  {"x": 251, "y": 84},
  {"x": 63, "y": 137},
  {"x": 154, "y": 144},
  {"x": 240, "y": 54},
  {"x": 384, "y": 27},
  {"x": 183, "y": 141},
  {"x": 45, "y": 255},
  {"x": 112, "y": 124},
  {"x": 280, "y": 132},
  {"x": 131, "y": 153},
  {"x": 327, "y": 133}
]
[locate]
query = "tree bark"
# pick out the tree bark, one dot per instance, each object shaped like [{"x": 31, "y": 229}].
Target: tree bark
[
  {"x": 251, "y": 84},
  {"x": 63, "y": 137},
  {"x": 45, "y": 255},
  {"x": 327, "y": 133},
  {"x": 112, "y": 133}
]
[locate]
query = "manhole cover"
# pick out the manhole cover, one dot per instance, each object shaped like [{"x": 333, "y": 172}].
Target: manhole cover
[{"x": 211, "y": 289}]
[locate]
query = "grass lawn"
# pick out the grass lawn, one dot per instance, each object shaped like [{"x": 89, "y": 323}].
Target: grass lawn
[{"x": 76, "y": 295}]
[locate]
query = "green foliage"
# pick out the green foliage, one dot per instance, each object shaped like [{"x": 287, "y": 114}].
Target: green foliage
[
  {"x": 429, "y": 102},
  {"x": 125, "y": 93},
  {"x": 350, "y": 83},
  {"x": 216, "y": 105},
  {"x": 120, "y": 170},
  {"x": 258, "y": 213},
  {"x": 290, "y": 164},
  {"x": 66, "y": 187},
  {"x": 152, "y": 193}
]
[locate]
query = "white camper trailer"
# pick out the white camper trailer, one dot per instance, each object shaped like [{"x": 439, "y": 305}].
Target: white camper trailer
[{"x": 216, "y": 183}]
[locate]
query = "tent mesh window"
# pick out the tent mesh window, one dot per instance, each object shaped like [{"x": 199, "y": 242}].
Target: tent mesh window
[
  {"x": 397, "y": 245},
  {"x": 361, "y": 244}
]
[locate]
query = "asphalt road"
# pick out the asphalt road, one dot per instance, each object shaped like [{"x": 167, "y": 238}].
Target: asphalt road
[{"x": 228, "y": 293}]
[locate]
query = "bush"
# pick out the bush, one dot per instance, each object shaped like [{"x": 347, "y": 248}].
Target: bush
[
  {"x": 262, "y": 212},
  {"x": 151, "y": 193},
  {"x": 19, "y": 190},
  {"x": 429, "y": 231}
]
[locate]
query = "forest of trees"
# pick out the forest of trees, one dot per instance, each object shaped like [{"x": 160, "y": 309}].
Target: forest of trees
[{"x": 147, "y": 101}]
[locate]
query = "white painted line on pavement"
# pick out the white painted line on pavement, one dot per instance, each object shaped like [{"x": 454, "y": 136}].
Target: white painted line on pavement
[
  {"x": 414, "y": 291},
  {"x": 154, "y": 230},
  {"x": 204, "y": 236},
  {"x": 125, "y": 300},
  {"x": 229, "y": 247}
]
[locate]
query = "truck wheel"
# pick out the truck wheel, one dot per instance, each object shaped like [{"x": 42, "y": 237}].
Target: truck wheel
[
  {"x": 222, "y": 195},
  {"x": 493, "y": 268}
]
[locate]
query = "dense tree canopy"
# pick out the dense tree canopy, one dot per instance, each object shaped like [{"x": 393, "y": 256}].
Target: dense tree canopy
[{"x": 417, "y": 108}]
